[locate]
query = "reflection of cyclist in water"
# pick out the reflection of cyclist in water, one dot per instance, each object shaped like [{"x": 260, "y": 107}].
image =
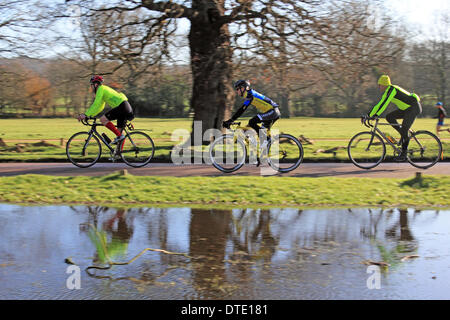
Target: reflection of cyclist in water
[
  {"x": 120, "y": 232},
  {"x": 399, "y": 241}
]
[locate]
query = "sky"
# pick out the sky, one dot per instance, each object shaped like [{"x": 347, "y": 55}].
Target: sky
[{"x": 419, "y": 13}]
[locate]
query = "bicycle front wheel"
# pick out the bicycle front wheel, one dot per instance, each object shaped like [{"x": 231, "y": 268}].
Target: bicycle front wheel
[
  {"x": 284, "y": 153},
  {"x": 227, "y": 153},
  {"x": 137, "y": 149},
  {"x": 424, "y": 149},
  {"x": 366, "y": 150},
  {"x": 83, "y": 149}
]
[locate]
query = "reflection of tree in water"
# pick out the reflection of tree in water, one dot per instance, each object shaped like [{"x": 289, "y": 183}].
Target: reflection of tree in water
[
  {"x": 397, "y": 229},
  {"x": 209, "y": 232},
  {"x": 230, "y": 242},
  {"x": 401, "y": 230},
  {"x": 252, "y": 235},
  {"x": 93, "y": 215}
]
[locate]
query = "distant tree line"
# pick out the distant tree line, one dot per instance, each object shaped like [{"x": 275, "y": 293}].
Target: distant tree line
[{"x": 313, "y": 58}]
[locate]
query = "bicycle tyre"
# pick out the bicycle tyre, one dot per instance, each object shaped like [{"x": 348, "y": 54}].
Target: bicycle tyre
[
  {"x": 220, "y": 142},
  {"x": 75, "y": 151},
  {"x": 297, "y": 153},
  {"x": 355, "y": 153},
  {"x": 418, "y": 146},
  {"x": 129, "y": 146}
]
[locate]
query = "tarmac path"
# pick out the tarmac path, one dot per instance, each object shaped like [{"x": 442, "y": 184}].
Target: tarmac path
[{"x": 321, "y": 169}]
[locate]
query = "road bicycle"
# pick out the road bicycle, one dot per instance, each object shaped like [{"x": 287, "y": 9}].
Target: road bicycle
[
  {"x": 368, "y": 149},
  {"x": 84, "y": 149},
  {"x": 230, "y": 151}
]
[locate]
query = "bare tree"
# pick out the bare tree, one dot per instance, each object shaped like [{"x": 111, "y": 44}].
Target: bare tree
[
  {"x": 431, "y": 61},
  {"x": 216, "y": 29},
  {"x": 356, "y": 47},
  {"x": 282, "y": 44}
]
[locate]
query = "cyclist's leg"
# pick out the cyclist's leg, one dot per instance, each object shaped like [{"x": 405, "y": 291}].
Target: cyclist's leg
[
  {"x": 410, "y": 115},
  {"x": 106, "y": 121},
  {"x": 266, "y": 118},
  {"x": 269, "y": 117},
  {"x": 125, "y": 114},
  {"x": 254, "y": 123},
  {"x": 438, "y": 127},
  {"x": 392, "y": 119},
  {"x": 269, "y": 123}
]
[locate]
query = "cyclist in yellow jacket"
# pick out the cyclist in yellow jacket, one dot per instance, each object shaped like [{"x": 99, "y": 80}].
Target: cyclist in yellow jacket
[
  {"x": 408, "y": 109},
  {"x": 121, "y": 109}
]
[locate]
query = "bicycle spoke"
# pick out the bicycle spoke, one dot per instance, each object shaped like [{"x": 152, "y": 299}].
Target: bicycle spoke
[
  {"x": 83, "y": 150},
  {"x": 424, "y": 149},
  {"x": 285, "y": 153},
  {"x": 137, "y": 149},
  {"x": 227, "y": 153},
  {"x": 366, "y": 150}
]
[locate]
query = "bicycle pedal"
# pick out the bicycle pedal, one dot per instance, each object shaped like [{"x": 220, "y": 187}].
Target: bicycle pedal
[{"x": 113, "y": 157}]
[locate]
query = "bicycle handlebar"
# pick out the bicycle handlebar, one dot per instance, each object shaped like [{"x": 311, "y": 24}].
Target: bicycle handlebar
[
  {"x": 231, "y": 124},
  {"x": 85, "y": 121},
  {"x": 365, "y": 120}
]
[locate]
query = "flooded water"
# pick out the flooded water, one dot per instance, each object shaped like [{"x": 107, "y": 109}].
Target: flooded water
[{"x": 224, "y": 254}]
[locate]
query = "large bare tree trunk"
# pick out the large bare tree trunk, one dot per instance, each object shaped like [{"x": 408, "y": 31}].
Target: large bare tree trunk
[{"x": 211, "y": 62}]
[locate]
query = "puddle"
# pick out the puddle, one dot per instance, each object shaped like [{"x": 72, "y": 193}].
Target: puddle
[{"x": 228, "y": 254}]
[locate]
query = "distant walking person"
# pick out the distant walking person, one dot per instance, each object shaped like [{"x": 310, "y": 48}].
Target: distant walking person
[
  {"x": 121, "y": 109},
  {"x": 442, "y": 114}
]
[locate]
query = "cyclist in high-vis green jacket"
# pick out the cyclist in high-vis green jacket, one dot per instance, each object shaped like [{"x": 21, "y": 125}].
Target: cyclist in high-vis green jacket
[
  {"x": 120, "y": 108},
  {"x": 408, "y": 109}
]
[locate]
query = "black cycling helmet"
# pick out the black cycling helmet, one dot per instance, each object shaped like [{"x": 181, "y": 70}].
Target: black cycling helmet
[{"x": 241, "y": 84}]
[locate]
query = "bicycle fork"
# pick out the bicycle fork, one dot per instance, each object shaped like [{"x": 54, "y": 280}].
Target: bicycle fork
[
  {"x": 86, "y": 142},
  {"x": 371, "y": 141}
]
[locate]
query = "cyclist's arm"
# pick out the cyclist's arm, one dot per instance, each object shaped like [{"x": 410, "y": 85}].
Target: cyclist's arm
[
  {"x": 265, "y": 99},
  {"x": 241, "y": 110},
  {"x": 384, "y": 102},
  {"x": 98, "y": 105}
]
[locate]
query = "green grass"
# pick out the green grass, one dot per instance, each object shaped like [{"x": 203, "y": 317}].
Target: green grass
[
  {"x": 327, "y": 133},
  {"x": 129, "y": 190}
]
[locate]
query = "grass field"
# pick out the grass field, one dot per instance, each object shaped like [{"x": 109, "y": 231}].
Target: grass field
[
  {"x": 330, "y": 136},
  {"x": 117, "y": 190},
  {"x": 129, "y": 190}
]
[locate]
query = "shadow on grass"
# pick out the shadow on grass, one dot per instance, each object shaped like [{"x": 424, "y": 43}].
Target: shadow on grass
[
  {"x": 116, "y": 176},
  {"x": 419, "y": 182}
]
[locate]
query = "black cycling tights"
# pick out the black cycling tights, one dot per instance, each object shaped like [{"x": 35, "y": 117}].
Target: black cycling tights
[
  {"x": 253, "y": 123},
  {"x": 408, "y": 116}
]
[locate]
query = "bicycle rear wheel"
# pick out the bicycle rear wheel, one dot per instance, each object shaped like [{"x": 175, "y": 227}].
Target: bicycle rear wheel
[
  {"x": 284, "y": 153},
  {"x": 366, "y": 150},
  {"x": 227, "y": 153},
  {"x": 137, "y": 149},
  {"x": 424, "y": 150},
  {"x": 83, "y": 149}
]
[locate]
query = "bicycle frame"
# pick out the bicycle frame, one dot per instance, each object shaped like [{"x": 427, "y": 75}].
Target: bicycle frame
[
  {"x": 239, "y": 132},
  {"x": 374, "y": 129},
  {"x": 93, "y": 131}
]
